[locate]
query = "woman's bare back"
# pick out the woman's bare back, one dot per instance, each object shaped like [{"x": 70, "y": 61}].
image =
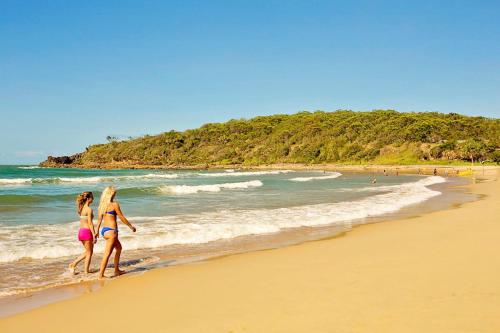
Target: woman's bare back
[{"x": 84, "y": 215}]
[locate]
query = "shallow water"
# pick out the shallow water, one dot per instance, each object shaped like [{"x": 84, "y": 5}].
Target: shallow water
[{"x": 182, "y": 214}]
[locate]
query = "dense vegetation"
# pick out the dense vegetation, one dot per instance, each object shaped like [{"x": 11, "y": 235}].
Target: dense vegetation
[{"x": 381, "y": 136}]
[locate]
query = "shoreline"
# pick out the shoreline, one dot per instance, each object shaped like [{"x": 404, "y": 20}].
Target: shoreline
[
  {"x": 425, "y": 169},
  {"x": 262, "y": 255}
]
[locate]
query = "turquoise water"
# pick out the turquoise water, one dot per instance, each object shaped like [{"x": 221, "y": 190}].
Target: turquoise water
[
  {"x": 46, "y": 196},
  {"x": 181, "y": 210}
]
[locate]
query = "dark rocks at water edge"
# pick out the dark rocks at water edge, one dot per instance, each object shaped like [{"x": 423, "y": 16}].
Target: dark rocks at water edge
[{"x": 58, "y": 161}]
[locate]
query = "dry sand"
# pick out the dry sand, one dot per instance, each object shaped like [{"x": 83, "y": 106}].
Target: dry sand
[{"x": 435, "y": 273}]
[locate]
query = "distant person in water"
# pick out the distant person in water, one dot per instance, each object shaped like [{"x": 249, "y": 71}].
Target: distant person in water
[
  {"x": 435, "y": 172},
  {"x": 86, "y": 233},
  {"x": 109, "y": 209}
]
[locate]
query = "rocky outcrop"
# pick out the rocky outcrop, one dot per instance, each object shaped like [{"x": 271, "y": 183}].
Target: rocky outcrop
[{"x": 61, "y": 161}]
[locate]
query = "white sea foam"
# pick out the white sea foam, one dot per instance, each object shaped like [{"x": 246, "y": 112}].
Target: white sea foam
[
  {"x": 189, "y": 189},
  {"x": 387, "y": 188},
  {"x": 13, "y": 181},
  {"x": 115, "y": 178},
  {"x": 157, "y": 175},
  {"x": 95, "y": 179},
  {"x": 29, "y": 167},
  {"x": 331, "y": 175},
  {"x": 74, "y": 179},
  {"x": 59, "y": 240},
  {"x": 243, "y": 173}
]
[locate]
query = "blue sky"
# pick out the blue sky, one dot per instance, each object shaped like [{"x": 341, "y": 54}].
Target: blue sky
[{"x": 72, "y": 72}]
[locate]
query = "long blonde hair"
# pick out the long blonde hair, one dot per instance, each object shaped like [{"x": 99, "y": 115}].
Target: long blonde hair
[
  {"x": 82, "y": 199},
  {"x": 107, "y": 197}
]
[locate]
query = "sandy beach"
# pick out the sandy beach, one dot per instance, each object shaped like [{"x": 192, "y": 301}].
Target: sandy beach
[{"x": 434, "y": 273}]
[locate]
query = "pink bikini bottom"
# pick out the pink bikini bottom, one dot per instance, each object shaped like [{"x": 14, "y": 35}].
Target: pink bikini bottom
[{"x": 84, "y": 234}]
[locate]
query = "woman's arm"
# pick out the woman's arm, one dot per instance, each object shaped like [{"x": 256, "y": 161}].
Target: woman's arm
[
  {"x": 99, "y": 221},
  {"x": 122, "y": 217},
  {"x": 90, "y": 224}
]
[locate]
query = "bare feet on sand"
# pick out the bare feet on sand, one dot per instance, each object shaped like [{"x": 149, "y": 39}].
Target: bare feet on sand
[{"x": 119, "y": 272}]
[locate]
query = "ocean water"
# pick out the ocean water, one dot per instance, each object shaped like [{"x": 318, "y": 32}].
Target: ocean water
[{"x": 179, "y": 214}]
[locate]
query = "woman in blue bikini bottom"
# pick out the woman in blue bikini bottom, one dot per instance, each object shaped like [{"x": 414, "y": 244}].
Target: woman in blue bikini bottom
[{"x": 109, "y": 209}]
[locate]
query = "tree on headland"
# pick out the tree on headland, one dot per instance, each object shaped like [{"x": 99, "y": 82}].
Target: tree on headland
[
  {"x": 495, "y": 156},
  {"x": 473, "y": 149}
]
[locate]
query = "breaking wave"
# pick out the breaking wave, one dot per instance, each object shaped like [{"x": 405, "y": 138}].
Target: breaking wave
[
  {"x": 96, "y": 179},
  {"x": 332, "y": 175},
  {"x": 190, "y": 189},
  {"x": 29, "y": 167},
  {"x": 243, "y": 173}
]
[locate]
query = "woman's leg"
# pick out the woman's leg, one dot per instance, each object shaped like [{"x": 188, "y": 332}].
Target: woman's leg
[
  {"x": 72, "y": 266},
  {"x": 118, "y": 251},
  {"x": 89, "y": 247},
  {"x": 110, "y": 245}
]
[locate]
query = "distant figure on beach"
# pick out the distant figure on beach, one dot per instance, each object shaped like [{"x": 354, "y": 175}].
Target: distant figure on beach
[
  {"x": 374, "y": 180},
  {"x": 108, "y": 211},
  {"x": 86, "y": 233},
  {"x": 435, "y": 172}
]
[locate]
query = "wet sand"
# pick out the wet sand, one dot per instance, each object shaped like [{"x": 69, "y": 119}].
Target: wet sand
[{"x": 434, "y": 273}]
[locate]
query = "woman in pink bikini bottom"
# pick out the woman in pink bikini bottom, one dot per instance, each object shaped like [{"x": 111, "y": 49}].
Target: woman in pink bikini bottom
[{"x": 86, "y": 233}]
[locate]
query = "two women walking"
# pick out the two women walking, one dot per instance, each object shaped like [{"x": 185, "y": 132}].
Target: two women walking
[{"x": 108, "y": 212}]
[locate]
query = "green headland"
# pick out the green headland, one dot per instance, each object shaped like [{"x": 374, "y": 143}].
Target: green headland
[{"x": 339, "y": 137}]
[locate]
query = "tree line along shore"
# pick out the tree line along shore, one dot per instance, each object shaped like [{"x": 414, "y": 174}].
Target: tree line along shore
[{"x": 340, "y": 137}]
